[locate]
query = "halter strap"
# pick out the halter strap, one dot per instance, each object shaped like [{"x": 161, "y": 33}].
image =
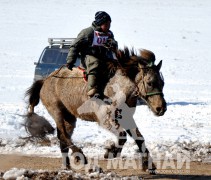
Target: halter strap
[
  {"x": 147, "y": 93},
  {"x": 153, "y": 93}
]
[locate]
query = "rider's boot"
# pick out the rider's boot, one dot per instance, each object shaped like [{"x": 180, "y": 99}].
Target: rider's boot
[{"x": 92, "y": 86}]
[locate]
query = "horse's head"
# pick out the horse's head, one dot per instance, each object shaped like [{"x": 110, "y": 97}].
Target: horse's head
[
  {"x": 146, "y": 76},
  {"x": 150, "y": 83}
]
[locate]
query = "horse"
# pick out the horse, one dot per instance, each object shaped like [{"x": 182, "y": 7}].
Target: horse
[{"x": 64, "y": 95}]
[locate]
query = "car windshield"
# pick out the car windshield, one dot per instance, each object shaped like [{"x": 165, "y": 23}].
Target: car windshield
[
  {"x": 62, "y": 58},
  {"x": 54, "y": 56},
  {"x": 50, "y": 56}
]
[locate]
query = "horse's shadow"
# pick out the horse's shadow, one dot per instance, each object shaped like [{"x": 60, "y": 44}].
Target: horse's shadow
[
  {"x": 175, "y": 176},
  {"x": 181, "y": 103}
]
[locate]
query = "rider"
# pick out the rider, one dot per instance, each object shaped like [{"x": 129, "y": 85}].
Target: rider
[{"x": 94, "y": 44}]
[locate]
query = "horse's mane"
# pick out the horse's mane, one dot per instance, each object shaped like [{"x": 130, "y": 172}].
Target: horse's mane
[{"x": 128, "y": 60}]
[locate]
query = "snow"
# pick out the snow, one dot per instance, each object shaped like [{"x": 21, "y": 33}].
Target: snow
[
  {"x": 14, "y": 173},
  {"x": 176, "y": 31}
]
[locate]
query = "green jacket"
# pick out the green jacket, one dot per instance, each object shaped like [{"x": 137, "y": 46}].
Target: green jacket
[{"x": 83, "y": 45}]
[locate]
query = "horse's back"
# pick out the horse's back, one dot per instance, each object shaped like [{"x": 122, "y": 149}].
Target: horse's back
[{"x": 64, "y": 89}]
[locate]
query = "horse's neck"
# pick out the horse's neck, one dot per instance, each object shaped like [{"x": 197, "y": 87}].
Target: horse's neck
[{"x": 121, "y": 84}]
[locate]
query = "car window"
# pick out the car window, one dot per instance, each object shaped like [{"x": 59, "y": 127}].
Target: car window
[{"x": 50, "y": 56}]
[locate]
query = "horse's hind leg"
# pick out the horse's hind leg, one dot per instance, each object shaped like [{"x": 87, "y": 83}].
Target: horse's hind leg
[
  {"x": 65, "y": 122},
  {"x": 64, "y": 150},
  {"x": 69, "y": 126}
]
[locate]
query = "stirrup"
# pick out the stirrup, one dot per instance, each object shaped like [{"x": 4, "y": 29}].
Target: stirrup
[
  {"x": 92, "y": 92},
  {"x": 97, "y": 96}
]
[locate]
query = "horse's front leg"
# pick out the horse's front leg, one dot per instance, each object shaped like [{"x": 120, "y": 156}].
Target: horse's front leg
[
  {"x": 147, "y": 162},
  {"x": 113, "y": 149}
]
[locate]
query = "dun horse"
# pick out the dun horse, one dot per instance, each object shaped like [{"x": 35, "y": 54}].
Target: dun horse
[{"x": 63, "y": 93}]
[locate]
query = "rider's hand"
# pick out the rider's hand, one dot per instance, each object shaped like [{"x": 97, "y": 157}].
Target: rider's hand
[
  {"x": 111, "y": 44},
  {"x": 70, "y": 66}
]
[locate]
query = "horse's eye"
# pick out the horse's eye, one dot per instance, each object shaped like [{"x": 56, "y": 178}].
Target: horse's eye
[{"x": 149, "y": 84}]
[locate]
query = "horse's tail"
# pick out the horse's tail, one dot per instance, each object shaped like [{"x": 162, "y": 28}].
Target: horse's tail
[
  {"x": 37, "y": 126},
  {"x": 34, "y": 94}
]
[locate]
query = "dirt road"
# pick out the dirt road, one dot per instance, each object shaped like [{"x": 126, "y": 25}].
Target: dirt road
[{"x": 197, "y": 170}]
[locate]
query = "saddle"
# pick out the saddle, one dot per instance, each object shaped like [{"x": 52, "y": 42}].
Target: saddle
[{"x": 84, "y": 73}]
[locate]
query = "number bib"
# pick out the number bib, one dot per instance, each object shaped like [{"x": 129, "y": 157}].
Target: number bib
[{"x": 100, "y": 38}]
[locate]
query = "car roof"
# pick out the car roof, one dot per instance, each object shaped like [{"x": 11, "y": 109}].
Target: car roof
[{"x": 57, "y": 47}]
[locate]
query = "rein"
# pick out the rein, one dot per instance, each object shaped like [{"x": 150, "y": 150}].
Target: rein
[
  {"x": 153, "y": 93},
  {"x": 137, "y": 93},
  {"x": 148, "y": 94},
  {"x": 55, "y": 75}
]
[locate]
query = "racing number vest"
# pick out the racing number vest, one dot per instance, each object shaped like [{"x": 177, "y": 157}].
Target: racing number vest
[{"x": 100, "y": 38}]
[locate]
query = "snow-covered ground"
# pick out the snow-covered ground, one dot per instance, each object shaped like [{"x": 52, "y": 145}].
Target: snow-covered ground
[{"x": 179, "y": 32}]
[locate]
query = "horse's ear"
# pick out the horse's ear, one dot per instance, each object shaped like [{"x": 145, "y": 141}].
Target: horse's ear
[{"x": 159, "y": 65}]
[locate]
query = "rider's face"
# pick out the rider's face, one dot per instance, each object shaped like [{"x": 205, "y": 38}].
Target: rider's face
[{"x": 106, "y": 26}]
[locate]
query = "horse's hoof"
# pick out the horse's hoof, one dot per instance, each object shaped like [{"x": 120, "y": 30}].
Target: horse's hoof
[
  {"x": 63, "y": 167},
  {"x": 111, "y": 154},
  {"x": 78, "y": 159},
  {"x": 106, "y": 155},
  {"x": 97, "y": 169},
  {"x": 152, "y": 171},
  {"x": 85, "y": 160}
]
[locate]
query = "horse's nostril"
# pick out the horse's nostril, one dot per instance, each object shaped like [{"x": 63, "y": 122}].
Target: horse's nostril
[{"x": 158, "y": 109}]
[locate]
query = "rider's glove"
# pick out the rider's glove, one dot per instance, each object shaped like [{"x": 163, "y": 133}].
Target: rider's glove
[
  {"x": 70, "y": 66},
  {"x": 111, "y": 44}
]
